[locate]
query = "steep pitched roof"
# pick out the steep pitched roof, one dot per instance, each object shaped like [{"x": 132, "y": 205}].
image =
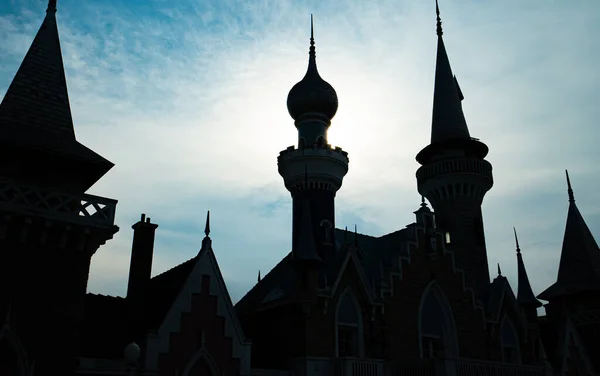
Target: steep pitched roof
[
  {"x": 35, "y": 112},
  {"x": 448, "y": 120},
  {"x": 579, "y": 268},
  {"x": 525, "y": 295}
]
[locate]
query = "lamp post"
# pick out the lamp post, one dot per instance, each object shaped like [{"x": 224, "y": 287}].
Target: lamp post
[{"x": 132, "y": 355}]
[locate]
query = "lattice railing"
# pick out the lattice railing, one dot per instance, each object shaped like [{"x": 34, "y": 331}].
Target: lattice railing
[
  {"x": 357, "y": 367},
  {"x": 79, "y": 209}
]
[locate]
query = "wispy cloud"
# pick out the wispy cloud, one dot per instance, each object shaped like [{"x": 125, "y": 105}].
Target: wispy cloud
[{"x": 187, "y": 98}]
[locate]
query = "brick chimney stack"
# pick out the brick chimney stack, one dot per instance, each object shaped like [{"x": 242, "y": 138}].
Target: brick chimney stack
[{"x": 142, "y": 251}]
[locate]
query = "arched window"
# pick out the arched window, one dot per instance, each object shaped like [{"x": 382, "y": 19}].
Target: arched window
[
  {"x": 437, "y": 333},
  {"x": 320, "y": 141},
  {"x": 349, "y": 331},
  {"x": 327, "y": 231},
  {"x": 201, "y": 364},
  {"x": 510, "y": 342}
]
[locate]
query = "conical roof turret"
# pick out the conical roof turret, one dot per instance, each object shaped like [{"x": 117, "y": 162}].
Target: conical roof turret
[
  {"x": 448, "y": 121},
  {"x": 312, "y": 95},
  {"x": 525, "y": 295},
  {"x": 579, "y": 267}
]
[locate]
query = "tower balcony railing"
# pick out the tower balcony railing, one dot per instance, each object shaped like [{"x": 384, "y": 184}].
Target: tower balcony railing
[
  {"x": 454, "y": 166},
  {"x": 81, "y": 209}
]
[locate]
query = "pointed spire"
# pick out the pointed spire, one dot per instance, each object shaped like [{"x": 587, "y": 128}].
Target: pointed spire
[
  {"x": 579, "y": 267},
  {"x": 499, "y": 271},
  {"x": 439, "y": 30},
  {"x": 525, "y": 295},
  {"x": 35, "y": 112},
  {"x": 569, "y": 189},
  {"x": 259, "y": 275},
  {"x": 448, "y": 119},
  {"x": 207, "y": 226},
  {"x": 346, "y": 235},
  {"x": 312, "y": 54},
  {"x": 305, "y": 247}
]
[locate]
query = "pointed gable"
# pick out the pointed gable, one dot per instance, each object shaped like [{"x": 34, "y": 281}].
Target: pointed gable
[
  {"x": 204, "y": 269},
  {"x": 579, "y": 267}
]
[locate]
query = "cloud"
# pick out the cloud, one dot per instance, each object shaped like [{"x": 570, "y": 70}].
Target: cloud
[{"x": 188, "y": 101}]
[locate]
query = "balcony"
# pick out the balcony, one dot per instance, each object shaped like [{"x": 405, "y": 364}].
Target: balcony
[{"x": 80, "y": 209}]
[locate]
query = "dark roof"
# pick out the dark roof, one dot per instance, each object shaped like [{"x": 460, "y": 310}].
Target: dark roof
[
  {"x": 374, "y": 251},
  {"x": 525, "y": 295},
  {"x": 163, "y": 290},
  {"x": 105, "y": 328},
  {"x": 579, "y": 268},
  {"x": 35, "y": 113}
]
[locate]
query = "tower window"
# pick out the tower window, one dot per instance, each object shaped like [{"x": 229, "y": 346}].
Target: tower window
[
  {"x": 447, "y": 237},
  {"x": 327, "y": 231}
]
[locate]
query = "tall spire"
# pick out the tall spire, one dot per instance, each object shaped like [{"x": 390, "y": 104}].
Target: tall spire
[
  {"x": 448, "y": 120},
  {"x": 439, "y": 30},
  {"x": 579, "y": 267},
  {"x": 51, "y": 6},
  {"x": 525, "y": 295},
  {"x": 207, "y": 225},
  {"x": 569, "y": 189},
  {"x": 35, "y": 114}
]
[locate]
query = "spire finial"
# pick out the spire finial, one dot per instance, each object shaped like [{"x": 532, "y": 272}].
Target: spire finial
[
  {"x": 207, "y": 226},
  {"x": 517, "y": 240},
  {"x": 346, "y": 235},
  {"x": 258, "y": 275},
  {"x": 423, "y": 204},
  {"x": 51, "y": 6},
  {"x": 499, "y": 271},
  {"x": 312, "y": 55},
  {"x": 569, "y": 189},
  {"x": 355, "y": 234},
  {"x": 439, "y": 20}
]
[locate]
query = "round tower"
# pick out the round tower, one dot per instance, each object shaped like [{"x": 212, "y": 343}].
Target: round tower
[
  {"x": 454, "y": 175},
  {"x": 313, "y": 171}
]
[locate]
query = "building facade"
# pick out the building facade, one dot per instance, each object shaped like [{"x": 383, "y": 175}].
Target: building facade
[{"x": 417, "y": 301}]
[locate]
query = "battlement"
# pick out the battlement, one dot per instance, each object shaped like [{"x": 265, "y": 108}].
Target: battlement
[
  {"x": 82, "y": 209},
  {"x": 320, "y": 167}
]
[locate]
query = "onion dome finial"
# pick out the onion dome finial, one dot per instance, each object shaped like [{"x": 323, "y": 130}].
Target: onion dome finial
[{"x": 312, "y": 94}]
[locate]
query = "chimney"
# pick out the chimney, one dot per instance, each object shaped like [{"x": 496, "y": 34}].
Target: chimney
[{"x": 142, "y": 250}]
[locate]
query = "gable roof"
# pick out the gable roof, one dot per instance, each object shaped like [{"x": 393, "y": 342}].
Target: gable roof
[{"x": 205, "y": 263}]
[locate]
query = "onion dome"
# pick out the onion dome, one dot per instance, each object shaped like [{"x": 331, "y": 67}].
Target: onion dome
[{"x": 312, "y": 94}]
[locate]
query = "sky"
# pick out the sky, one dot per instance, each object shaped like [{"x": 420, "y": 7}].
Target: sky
[{"x": 188, "y": 99}]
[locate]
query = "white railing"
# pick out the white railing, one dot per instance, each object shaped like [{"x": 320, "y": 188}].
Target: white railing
[
  {"x": 412, "y": 368},
  {"x": 80, "y": 209}
]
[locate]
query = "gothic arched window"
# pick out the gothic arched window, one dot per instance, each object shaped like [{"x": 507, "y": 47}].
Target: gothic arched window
[
  {"x": 436, "y": 325},
  {"x": 510, "y": 342},
  {"x": 327, "y": 231},
  {"x": 348, "y": 326}
]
